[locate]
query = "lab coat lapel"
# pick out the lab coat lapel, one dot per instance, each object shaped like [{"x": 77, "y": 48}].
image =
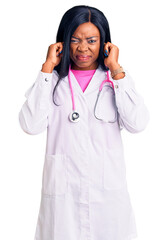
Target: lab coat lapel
[{"x": 94, "y": 83}]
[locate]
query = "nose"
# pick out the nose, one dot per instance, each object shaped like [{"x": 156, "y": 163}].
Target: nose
[{"x": 83, "y": 46}]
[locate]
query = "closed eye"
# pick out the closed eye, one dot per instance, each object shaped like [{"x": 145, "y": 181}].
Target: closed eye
[{"x": 74, "y": 40}]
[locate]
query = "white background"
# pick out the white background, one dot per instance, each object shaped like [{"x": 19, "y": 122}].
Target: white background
[{"x": 139, "y": 29}]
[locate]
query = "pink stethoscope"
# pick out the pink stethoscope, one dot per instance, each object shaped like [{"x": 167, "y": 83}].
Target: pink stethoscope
[{"x": 74, "y": 115}]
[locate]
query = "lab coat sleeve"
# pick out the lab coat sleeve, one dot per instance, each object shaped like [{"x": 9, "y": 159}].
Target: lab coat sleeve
[
  {"x": 33, "y": 116},
  {"x": 132, "y": 112}
]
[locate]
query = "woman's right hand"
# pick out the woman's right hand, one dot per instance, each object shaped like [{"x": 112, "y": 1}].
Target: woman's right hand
[{"x": 53, "y": 58}]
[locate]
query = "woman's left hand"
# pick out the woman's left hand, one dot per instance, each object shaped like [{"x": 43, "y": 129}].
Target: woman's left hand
[{"x": 112, "y": 52}]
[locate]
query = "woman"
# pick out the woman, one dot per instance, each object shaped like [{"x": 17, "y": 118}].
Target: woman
[{"x": 84, "y": 192}]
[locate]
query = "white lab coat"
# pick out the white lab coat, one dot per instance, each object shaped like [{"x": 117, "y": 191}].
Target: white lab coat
[{"x": 84, "y": 192}]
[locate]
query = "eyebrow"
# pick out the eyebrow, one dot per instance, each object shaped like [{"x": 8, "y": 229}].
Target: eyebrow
[{"x": 86, "y": 38}]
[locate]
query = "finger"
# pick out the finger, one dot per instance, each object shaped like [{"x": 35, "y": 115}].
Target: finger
[
  {"x": 107, "y": 47},
  {"x": 59, "y": 48}
]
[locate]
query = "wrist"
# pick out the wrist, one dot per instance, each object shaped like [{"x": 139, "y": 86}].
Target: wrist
[
  {"x": 47, "y": 67},
  {"x": 114, "y": 66},
  {"x": 117, "y": 72},
  {"x": 119, "y": 76}
]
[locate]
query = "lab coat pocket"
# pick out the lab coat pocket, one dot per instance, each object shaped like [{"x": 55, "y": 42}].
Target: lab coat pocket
[
  {"x": 105, "y": 107},
  {"x": 114, "y": 170},
  {"x": 54, "y": 175}
]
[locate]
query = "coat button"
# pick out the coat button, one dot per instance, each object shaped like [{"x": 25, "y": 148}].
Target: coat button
[{"x": 116, "y": 86}]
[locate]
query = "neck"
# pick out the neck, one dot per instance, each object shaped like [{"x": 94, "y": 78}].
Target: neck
[{"x": 92, "y": 67}]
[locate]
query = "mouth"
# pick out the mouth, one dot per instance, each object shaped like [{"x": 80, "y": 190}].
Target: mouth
[{"x": 83, "y": 57}]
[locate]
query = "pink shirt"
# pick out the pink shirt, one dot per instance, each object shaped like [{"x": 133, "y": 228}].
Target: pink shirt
[{"x": 83, "y": 77}]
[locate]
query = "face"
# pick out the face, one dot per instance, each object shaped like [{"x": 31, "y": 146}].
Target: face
[{"x": 84, "y": 47}]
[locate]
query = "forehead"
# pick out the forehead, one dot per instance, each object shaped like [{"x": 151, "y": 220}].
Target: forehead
[{"x": 86, "y": 30}]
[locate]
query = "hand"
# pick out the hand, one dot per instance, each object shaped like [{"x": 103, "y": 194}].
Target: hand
[
  {"x": 54, "y": 53},
  {"x": 112, "y": 52},
  {"x": 53, "y": 58}
]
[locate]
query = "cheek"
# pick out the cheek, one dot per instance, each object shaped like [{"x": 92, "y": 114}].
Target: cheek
[{"x": 96, "y": 50}]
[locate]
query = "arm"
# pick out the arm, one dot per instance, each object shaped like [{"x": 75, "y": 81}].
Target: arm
[
  {"x": 33, "y": 116},
  {"x": 133, "y": 114}
]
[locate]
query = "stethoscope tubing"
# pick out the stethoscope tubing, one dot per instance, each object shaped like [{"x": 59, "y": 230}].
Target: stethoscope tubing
[
  {"x": 70, "y": 84},
  {"x": 115, "y": 118},
  {"x": 74, "y": 115}
]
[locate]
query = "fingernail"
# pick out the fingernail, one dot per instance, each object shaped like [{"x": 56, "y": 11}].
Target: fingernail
[{"x": 59, "y": 53}]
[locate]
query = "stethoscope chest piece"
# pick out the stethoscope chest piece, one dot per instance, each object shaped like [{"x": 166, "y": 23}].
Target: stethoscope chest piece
[{"x": 74, "y": 116}]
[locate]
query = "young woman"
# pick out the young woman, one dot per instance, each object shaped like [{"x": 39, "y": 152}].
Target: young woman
[{"x": 83, "y": 97}]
